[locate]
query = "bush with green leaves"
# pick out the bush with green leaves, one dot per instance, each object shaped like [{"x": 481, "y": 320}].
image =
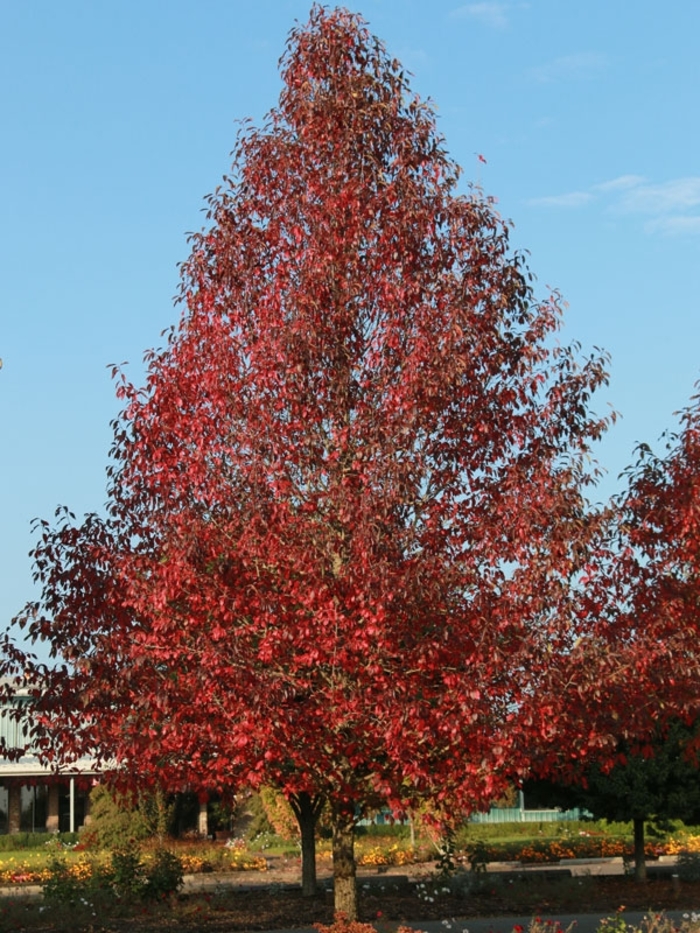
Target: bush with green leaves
[
  {"x": 117, "y": 822},
  {"x": 77, "y": 883},
  {"x": 164, "y": 875},
  {"x": 688, "y": 866},
  {"x": 114, "y": 822},
  {"x": 128, "y": 875}
]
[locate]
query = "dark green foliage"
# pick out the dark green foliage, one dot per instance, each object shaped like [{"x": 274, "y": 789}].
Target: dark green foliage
[
  {"x": 385, "y": 830},
  {"x": 658, "y": 782},
  {"x": 163, "y": 876},
  {"x": 10, "y": 842},
  {"x": 128, "y": 876},
  {"x": 661, "y": 783},
  {"x": 117, "y": 822},
  {"x": 688, "y": 866},
  {"x": 259, "y": 822},
  {"x": 445, "y": 866},
  {"x": 478, "y": 856},
  {"x": 128, "y": 873},
  {"x": 114, "y": 823}
]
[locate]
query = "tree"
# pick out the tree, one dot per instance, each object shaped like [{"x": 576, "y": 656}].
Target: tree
[
  {"x": 659, "y": 784},
  {"x": 642, "y": 599},
  {"x": 639, "y": 642},
  {"x": 658, "y": 575},
  {"x": 347, "y": 508}
]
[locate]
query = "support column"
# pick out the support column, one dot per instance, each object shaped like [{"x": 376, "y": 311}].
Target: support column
[
  {"x": 203, "y": 819},
  {"x": 88, "y": 801},
  {"x": 14, "y": 807},
  {"x": 52, "y": 820}
]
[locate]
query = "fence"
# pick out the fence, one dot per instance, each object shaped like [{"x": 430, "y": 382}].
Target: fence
[{"x": 520, "y": 815}]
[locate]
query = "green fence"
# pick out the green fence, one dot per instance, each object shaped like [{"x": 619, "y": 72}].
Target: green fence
[{"x": 521, "y": 815}]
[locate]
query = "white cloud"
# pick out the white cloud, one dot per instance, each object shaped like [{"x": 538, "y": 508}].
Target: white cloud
[
  {"x": 674, "y": 226},
  {"x": 488, "y": 13},
  {"x": 679, "y": 194},
  {"x": 671, "y": 205},
  {"x": 579, "y": 66},
  {"x": 622, "y": 183},
  {"x": 571, "y": 199}
]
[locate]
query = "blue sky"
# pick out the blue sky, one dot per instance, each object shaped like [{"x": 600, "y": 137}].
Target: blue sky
[{"x": 118, "y": 117}]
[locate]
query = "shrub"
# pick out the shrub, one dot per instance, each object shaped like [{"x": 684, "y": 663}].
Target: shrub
[
  {"x": 114, "y": 822},
  {"x": 12, "y": 841},
  {"x": 279, "y": 813},
  {"x": 79, "y": 882},
  {"x": 384, "y": 830},
  {"x": 89, "y": 882},
  {"x": 163, "y": 875},
  {"x": 128, "y": 873},
  {"x": 259, "y": 822},
  {"x": 688, "y": 866}
]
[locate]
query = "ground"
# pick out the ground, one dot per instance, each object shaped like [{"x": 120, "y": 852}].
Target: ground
[
  {"x": 263, "y": 910},
  {"x": 269, "y": 902}
]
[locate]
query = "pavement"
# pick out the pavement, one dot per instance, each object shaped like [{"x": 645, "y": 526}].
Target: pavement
[{"x": 579, "y": 923}]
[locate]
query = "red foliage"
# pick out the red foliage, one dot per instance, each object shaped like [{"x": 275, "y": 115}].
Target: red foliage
[
  {"x": 634, "y": 670},
  {"x": 348, "y": 505},
  {"x": 659, "y": 571}
]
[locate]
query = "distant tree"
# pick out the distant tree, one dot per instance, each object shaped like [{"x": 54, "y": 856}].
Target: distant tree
[
  {"x": 658, "y": 575},
  {"x": 659, "y": 784},
  {"x": 633, "y": 677},
  {"x": 347, "y": 509},
  {"x": 116, "y": 822}
]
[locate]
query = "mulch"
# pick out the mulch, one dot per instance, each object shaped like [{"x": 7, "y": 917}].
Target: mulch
[
  {"x": 276, "y": 907},
  {"x": 273, "y": 901}
]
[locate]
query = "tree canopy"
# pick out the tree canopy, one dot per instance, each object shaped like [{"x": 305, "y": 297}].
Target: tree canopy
[{"x": 347, "y": 511}]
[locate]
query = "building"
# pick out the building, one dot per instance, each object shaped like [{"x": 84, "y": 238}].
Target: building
[{"x": 33, "y": 797}]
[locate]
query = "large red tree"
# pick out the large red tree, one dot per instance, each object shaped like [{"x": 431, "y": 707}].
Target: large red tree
[{"x": 346, "y": 508}]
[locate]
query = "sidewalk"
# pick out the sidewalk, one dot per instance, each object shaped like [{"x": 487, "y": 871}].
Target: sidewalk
[{"x": 582, "y": 923}]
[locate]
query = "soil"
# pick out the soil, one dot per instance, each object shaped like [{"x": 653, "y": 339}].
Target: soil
[
  {"x": 272, "y": 901},
  {"x": 262, "y": 910},
  {"x": 391, "y": 897}
]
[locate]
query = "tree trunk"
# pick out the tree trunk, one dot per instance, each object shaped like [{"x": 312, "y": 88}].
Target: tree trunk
[
  {"x": 307, "y": 809},
  {"x": 640, "y": 865},
  {"x": 344, "y": 869}
]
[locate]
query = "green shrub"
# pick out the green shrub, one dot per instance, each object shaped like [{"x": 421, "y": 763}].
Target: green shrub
[
  {"x": 259, "y": 822},
  {"x": 117, "y": 822},
  {"x": 77, "y": 883},
  {"x": 688, "y": 866},
  {"x": 114, "y": 823},
  {"x": 13, "y": 841},
  {"x": 392, "y": 831},
  {"x": 163, "y": 875},
  {"x": 128, "y": 873}
]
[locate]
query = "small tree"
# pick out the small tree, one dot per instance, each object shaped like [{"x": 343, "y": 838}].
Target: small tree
[
  {"x": 658, "y": 575},
  {"x": 631, "y": 679},
  {"x": 347, "y": 508},
  {"x": 658, "y": 784}
]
